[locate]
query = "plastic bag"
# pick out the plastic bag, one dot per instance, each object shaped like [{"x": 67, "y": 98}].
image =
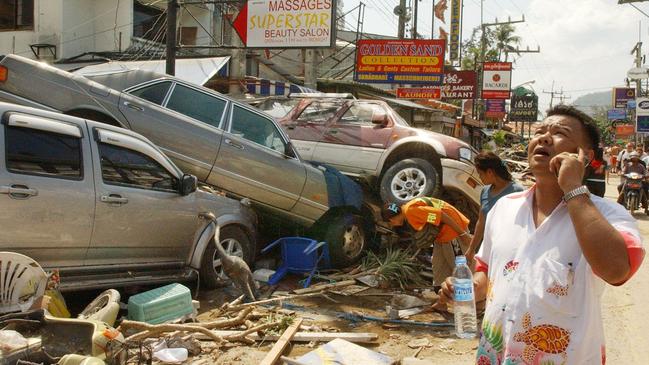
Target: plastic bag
[{"x": 11, "y": 340}]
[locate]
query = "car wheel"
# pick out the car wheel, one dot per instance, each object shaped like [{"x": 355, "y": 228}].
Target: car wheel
[
  {"x": 236, "y": 243},
  {"x": 409, "y": 179},
  {"x": 346, "y": 239}
]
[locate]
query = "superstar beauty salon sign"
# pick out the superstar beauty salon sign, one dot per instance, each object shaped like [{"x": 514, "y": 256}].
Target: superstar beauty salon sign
[{"x": 287, "y": 23}]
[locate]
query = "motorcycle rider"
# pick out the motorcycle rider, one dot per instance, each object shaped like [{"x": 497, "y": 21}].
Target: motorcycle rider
[{"x": 633, "y": 165}]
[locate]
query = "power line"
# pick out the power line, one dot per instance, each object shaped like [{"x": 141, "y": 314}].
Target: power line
[{"x": 638, "y": 9}]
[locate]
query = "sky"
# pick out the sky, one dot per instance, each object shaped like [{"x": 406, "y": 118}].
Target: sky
[{"x": 585, "y": 44}]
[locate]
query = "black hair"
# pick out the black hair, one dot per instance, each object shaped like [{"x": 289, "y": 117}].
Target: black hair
[
  {"x": 390, "y": 209},
  {"x": 586, "y": 121},
  {"x": 489, "y": 160},
  {"x": 599, "y": 154}
]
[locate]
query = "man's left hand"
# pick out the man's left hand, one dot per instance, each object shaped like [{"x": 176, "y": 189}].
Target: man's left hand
[{"x": 569, "y": 169}]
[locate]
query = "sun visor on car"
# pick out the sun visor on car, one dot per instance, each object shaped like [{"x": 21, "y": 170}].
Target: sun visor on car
[{"x": 43, "y": 124}]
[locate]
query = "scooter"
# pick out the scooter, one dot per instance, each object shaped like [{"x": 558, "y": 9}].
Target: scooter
[{"x": 633, "y": 191}]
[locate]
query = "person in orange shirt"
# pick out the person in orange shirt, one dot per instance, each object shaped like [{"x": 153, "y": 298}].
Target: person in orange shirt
[{"x": 451, "y": 229}]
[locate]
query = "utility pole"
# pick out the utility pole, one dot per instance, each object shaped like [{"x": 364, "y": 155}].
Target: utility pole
[
  {"x": 638, "y": 63},
  {"x": 172, "y": 8},
  {"x": 402, "y": 19},
  {"x": 414, "y": 20},
  {"x": 519, "y": 51},
  {"x": 559, "y": 95}
]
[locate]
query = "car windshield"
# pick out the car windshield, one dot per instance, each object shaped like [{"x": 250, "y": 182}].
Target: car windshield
[{"x": 278, "y": 108}]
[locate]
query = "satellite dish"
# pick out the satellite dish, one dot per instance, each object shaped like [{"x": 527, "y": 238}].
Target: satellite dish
[{"x": 399, "y": 10}]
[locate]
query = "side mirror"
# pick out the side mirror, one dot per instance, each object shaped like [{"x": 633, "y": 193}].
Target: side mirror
[
  {"x": 188, "y": 184},
  {"x": 289, "y": 151}
]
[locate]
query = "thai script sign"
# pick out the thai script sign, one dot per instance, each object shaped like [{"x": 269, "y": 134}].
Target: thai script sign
[
  {"x": 400, "y": 61},
  {"x": 524, "y": 108},
  {"x": 287, "y": 23},
  {"x": 616, "y": 114},
  {"x": 496, "y": 80},
  {"x": 459, "y": 85},
  {"x": 622, "y": 95}
]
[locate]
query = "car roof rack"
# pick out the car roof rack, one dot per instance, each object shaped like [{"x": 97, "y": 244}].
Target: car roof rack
[{"x": 322, "y": 95}]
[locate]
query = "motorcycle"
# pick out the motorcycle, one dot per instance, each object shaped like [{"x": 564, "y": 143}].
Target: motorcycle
[{"x": 633, "y": 191}]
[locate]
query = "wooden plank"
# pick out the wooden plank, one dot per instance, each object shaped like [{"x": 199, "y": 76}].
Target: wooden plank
[
  {"x": 281, "y": 344},
  {"x": 361, "y": 337},
  {"x": 318, "y": 288}
]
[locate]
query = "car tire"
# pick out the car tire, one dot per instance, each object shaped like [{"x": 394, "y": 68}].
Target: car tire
[
  {"x": 409, "y": 179},
  {"x": 236, "y": 242},
  {"x": 345, "y": 238}
]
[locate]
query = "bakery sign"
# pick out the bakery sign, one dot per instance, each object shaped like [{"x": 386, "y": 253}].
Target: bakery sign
[
  {"x": 459, "y": 85},
  {"x": 496, "y": 80}
]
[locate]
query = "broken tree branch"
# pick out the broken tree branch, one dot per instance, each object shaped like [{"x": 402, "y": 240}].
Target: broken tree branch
[{"x": 150, "y": 330}]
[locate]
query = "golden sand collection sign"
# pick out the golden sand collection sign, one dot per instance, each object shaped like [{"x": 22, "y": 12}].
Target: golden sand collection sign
[
  {"x": 400, "y": 61},
  {"x": 287, "y": 23}
]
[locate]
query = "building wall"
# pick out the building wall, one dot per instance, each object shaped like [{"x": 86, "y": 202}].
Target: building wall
[
  {"x": 74, "y": 27},
  {"x": 95, "y": 26},
  {"x": 47, "y": 29}
]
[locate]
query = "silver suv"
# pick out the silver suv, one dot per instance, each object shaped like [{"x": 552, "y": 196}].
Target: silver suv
[
  {"x": 222, "y": 142},
  {"x": 107, "y": 207}
]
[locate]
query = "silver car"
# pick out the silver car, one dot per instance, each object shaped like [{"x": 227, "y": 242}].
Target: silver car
[
  {"x": 106, "y": 206},
  {"x": 224, "y": 143}
]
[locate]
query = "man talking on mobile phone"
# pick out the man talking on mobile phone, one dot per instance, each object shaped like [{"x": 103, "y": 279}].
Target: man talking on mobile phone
[{"x": 548, "y": 252}]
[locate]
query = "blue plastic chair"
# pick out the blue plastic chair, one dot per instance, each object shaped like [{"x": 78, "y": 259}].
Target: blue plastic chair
[{"x": 300, "y": 255}]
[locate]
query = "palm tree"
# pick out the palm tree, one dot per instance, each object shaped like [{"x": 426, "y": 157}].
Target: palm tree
[{"x": 506, "y": 40}]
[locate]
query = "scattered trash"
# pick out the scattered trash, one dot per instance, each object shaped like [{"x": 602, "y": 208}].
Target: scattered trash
[
  {"x": 164, "y": 304},
  {"x": 263, "y": 275},
  {"x": 370, "y": 280},
  {"x": 11, "y": 340},
  {"x": 343, "y": 352},
  {"x": 169, "y": 355},
  {"x": 104, "y": 308},
  {"x": 23, "y": 282},
  {"x": 404, "y": 301},
  {"x": 403, "y": 313},
  {"x": 419, "y": 342}
]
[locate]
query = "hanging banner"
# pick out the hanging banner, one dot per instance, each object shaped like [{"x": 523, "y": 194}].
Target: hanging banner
[
  {"x": 454, "y": 44},
  {"x": 642, "y": 115},
  {"x": 385, "y": 61},
  {"x": 524, "y": 108},
  {"x": 287, "y": 23},
  {"x": 495, "y": 108},
  {"x": 496, "y": 80},
  {"x": 459, "y": 85},
  {"x": 418, "y": 92},
  {"x": 621, "y": 96}
]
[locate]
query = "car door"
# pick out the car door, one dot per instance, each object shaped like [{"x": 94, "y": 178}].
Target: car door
[
  {"x": 308, "y": 127},
  {"x": 355, "y": 142},
  {"x": 140, "y": 216},
  {"x": 47, "y": 196},
  {"x": 184, "y": 122},
  {"x": 252, "y": 161}
]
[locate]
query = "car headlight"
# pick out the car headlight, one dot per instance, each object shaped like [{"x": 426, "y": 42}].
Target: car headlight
[{"x": 466, "y": 154}]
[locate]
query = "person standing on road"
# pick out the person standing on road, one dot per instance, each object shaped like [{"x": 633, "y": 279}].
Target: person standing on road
[
  {"x": 596, "y": 175},
  {"x": 498, "y": 183},
  {"x": 615, "y": 151},
  {"x": 623, "y": 156},
  {"x": 547, "y": 253},
  {"x": 450, "y": 229}
]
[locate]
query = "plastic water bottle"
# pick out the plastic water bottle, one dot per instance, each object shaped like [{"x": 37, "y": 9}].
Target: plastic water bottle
[{"x": 464, "y": 300}]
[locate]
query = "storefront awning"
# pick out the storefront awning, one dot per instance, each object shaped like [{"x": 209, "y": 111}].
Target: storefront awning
[{"x": 194, "y": 70}]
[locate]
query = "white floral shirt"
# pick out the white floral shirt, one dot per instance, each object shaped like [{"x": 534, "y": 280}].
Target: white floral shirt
[{"x": 543, "y": 299}]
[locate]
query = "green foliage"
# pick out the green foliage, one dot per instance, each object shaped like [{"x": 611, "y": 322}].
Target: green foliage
[
  {"x": 499, "y": 138},
  {"x": 493, "y": 335},
  {"x": 396, "y": 266},
  {"x": 498, "y": 41}
]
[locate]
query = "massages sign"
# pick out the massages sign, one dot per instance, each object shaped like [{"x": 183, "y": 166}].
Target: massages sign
[{"x": 287, "y": 23}]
